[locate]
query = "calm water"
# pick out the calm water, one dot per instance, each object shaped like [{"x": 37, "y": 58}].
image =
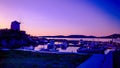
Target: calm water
[
  {"x": 86, "y": 39},
  {"x": 71, "y": 49}
]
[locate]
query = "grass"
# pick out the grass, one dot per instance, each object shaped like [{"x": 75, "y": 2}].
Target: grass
[{"x": 24, "y": 59}]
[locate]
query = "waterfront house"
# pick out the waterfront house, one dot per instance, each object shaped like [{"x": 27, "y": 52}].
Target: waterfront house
[{"x": 15, "y": 25}]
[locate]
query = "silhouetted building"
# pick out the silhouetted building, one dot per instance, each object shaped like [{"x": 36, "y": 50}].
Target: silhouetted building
[{"x": 15, "y": 25}]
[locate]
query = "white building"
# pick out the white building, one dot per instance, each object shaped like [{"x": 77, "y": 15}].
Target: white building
[{"x": 15, "y": 25}]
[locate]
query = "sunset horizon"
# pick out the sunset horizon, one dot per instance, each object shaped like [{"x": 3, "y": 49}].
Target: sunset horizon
[{"x": 44, "y": 18}]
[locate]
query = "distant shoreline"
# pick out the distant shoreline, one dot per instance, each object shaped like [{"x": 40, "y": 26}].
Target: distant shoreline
[{"x": 83, "y": 36}]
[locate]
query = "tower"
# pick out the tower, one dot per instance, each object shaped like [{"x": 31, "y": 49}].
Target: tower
[{"x": 15, "y": 25}]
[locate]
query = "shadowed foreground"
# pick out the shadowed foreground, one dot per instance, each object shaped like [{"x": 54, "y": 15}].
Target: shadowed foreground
[{"x": 23, "y": 59}]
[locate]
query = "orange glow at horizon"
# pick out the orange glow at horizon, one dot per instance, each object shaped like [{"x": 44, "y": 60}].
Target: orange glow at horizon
[{"x": 41, "y": 18}]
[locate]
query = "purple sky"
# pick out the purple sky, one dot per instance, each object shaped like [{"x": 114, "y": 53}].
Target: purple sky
[{"x": 60, "y": 17}]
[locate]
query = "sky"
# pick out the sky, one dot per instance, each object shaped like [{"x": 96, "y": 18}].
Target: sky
[{"x": 62, "y": 17}]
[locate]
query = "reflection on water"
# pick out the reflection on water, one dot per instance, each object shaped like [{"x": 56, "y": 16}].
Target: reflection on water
[
  {"x": 39, "y": 47},
  {"x": 86, "y": 39},
  {"x": 70, "y": 49}
]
